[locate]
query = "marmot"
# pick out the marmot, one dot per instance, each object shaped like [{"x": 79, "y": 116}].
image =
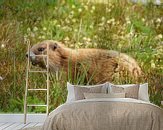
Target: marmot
[{"x": 98, "y": 64}]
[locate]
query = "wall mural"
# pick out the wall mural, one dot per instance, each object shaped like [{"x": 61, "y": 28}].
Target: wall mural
[{"x": 89, "y": 43}]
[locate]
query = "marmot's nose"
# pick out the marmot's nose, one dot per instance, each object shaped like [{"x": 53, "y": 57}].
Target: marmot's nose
[{"x": 31, "y": 55}]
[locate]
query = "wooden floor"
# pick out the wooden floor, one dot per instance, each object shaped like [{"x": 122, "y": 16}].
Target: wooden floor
[
  {"x": 12, "y": 121},
  {"x": 17, "y": 126}
]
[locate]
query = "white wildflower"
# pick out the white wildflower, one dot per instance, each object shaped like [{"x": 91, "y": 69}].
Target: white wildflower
[
  {"x": 75, "y": 30},
  {"x": 1, "y": 78},
  {"x": 73, "y": 6},
  {"x": 158, "y": 20},
  {"x": 25, "y": 37},
  {"x": 92, "y": 11},
  {"x": 74, "y": 20},
  {"x": 128, "y": 22},
  {"x": 119, "y": 45},
  {"x": 159, "y": 36},
  {"x": 127, "y": 18},
  {"x": 117, "y": 22},
  {"x": 110, "y": 4},
  {"x": 44, "y": 28},
  {"x": 58, "y": 25},
  {"x": 88, "y": 39},
  {"x": 67, "y": 39},
  {"x": 136, "y": 35},
  {"x": 103, "y": 18},
  {"x": 35, "y": 29},
  {"x": 127, "y": 35},
  {"x": 101, "y": 24},
  {"x": 32, "y": 34},
  {"x": 3, "y": 45},
  {"x": 72, "y": 13},
  {"x": 95, "y": 36},
  {"x": 109, "y": 10},
  {"x": 112, "y": 20},
  {"x": 82, "y": 4},
  {"x": 80, "y": 43},
  {"x": 86, "y": 7},
  {"x": 93, "y": 7},
  {"x": 84, "y": 38},
  {"x": 70, "y": 16},
  {"x": 108, "y": 21},
  {"x": 39, "y": 37},
  {"x": 143, "y": 19},
  {"x": 28, "y": 29},
  {"x": 131, "y": 33},
  {"x": 153, "y": 64},
  {"x": 54, "y": 22},
  {"x": 67, "y": 21},
  {"x": 95, "y": 44},
  {"x": 113, "y": 23},
  {"x": 122, "y": 37},
  {"x": 91, "y": 26},
  {"x": 43, "y": 37},
  {"x": 80, "y": 10}
]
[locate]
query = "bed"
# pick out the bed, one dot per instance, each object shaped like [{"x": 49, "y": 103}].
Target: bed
[{"x": 98, "y": 112}]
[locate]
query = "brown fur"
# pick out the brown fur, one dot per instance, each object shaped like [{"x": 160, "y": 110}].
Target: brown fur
[{"x": 103, "y": 64}]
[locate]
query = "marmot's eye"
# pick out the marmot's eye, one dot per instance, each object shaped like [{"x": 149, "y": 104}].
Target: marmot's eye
[{"x": 40, "y": 49}]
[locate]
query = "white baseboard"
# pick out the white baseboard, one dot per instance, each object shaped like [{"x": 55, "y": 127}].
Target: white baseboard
[{"x": 20, "y": 118}]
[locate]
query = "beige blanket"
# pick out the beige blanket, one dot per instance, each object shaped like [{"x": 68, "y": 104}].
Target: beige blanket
[{"x": 106, "y": 114}]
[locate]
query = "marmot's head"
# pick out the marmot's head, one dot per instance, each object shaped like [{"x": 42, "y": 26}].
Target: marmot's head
[{"x": 38, "y": 52}]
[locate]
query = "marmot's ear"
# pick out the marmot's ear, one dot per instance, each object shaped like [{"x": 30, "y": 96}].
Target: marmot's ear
[{"x": 54, "y": 46}]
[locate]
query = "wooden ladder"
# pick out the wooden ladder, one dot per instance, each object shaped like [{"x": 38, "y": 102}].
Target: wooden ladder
[{"x": 26, "y": 105}]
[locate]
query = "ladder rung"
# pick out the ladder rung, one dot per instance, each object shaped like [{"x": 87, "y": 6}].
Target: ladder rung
[
  {"x": 41, "y": 55},
  {"x": 37, "y": 71},
  {"x": 36, "y": 105},
  {"x": 37, "y": 89},
  {"x": 38, "y": 55}
]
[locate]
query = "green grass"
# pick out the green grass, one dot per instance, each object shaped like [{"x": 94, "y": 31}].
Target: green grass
[{"x": 134, "y": 29}]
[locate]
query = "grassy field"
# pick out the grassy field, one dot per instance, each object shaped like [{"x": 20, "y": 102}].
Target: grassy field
[{"x": 134, "y": 29}]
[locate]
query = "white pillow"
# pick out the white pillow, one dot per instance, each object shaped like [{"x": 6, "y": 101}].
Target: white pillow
[
  {"x": 143, "y": 90},
  {"x": 71, "y": 93},
  {"x": 103, "y": 95}
]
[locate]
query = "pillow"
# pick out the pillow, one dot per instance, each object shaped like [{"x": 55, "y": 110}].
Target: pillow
[
  {"x": 76, "y": 92},
  {"x": 131, "y": 91},
  {"x": 143, "y": 91},
  {"x": 103, "y": 95}
]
